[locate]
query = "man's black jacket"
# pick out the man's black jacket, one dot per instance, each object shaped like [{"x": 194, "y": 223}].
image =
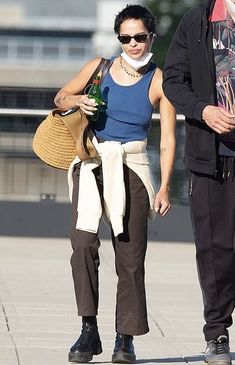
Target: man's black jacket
[{"x": 189, "y": 83}]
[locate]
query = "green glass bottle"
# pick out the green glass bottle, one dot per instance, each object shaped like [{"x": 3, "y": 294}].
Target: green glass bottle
[{"x": 96, "y": 94}]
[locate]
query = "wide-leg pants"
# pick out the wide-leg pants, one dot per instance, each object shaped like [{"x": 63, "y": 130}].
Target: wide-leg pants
[
  {"x": 129, "y": 248},
  {"x": 213, "y": 215}
]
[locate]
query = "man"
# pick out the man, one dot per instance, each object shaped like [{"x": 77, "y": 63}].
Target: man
[{"x": 199, "y": 80}]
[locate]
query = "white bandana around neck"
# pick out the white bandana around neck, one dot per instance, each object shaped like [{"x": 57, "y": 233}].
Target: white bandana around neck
[{"x": 139, "y": 63}]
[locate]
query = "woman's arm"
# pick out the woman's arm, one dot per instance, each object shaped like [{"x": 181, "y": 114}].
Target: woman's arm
[
  {"x": 71, "y": 94},
  {"x": 167, "y": 146}
]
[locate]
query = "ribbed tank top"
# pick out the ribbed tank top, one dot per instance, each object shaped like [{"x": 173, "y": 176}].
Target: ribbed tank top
[{"x": 128, "y": 112}]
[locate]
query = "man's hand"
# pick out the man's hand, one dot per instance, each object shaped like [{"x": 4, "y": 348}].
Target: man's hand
[{"x": 218, "y": 119}]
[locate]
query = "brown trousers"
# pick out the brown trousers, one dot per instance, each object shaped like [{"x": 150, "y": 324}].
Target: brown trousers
[{"x": 129, "y": 248}]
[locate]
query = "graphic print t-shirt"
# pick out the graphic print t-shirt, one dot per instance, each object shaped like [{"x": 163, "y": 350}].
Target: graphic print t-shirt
[{"x": 224, "y": 56}]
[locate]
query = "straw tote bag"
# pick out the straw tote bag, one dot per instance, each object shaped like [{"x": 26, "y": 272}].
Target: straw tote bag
[{"x": 62, "y": 136}]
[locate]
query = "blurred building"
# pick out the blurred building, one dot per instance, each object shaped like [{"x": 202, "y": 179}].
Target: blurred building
[{"x": 44, "y": 43}]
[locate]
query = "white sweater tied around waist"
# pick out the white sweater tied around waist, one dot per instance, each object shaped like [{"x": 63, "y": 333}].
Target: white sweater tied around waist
[{"x": 111, "y": 155}]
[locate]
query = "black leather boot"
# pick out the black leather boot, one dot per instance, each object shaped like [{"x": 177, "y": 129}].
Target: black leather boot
[
  {"x": 87, "y": 345},
  {"x": 124, "y": 352}
]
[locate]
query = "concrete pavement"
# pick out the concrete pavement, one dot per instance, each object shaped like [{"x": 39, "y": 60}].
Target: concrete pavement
[{"x": 38, "y": 321}]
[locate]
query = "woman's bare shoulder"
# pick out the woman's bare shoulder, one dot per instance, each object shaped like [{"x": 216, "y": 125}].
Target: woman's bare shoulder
[
  {"x": 92, "y": 64},
  {"x": 79, "y": 81},
  {"x": 157, "y": 77},
  {"x": 156, "y": 92}
]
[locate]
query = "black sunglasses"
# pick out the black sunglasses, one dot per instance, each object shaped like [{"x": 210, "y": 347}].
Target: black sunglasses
[{"x": 140, "y": 38}]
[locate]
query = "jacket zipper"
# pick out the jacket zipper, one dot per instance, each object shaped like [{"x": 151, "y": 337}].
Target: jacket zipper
[
  {"x": 211, "y": 76},
  {"x": 191, "y": 184}
]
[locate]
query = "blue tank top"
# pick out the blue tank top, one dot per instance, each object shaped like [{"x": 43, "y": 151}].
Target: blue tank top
[{"x": 128, "y": 112}]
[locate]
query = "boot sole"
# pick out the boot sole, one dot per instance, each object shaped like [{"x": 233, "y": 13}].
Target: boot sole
[
  {"x": 123, "y": 358},
  {"x": 84, "y": 357}
]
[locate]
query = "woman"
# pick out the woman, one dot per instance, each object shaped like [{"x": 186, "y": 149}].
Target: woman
[{"x": 131, "y": 89}]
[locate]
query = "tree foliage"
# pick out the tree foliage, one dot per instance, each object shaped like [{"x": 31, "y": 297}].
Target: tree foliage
[{"x": 168, "y": 14}]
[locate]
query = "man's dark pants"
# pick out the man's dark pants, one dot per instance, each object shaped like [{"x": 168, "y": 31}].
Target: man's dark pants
[
  {"x": 130, "y": 249},
  {"x": 212, "y": 201}
]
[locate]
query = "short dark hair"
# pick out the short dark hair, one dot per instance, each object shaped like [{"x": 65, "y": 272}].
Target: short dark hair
[{"x": 135, "y": 12}]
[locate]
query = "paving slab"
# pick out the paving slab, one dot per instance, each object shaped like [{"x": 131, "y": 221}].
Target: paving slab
[{"x": 38, "y": 319}]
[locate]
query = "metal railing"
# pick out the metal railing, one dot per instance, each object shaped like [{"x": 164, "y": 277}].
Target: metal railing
[
  {"x": 22, "y": 112},
  {"x": 44, "y": 112},
  {"x": 26, "y": 178}
]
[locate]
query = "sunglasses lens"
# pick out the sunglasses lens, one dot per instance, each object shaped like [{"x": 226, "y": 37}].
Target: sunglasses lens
[
  {"x": 140, "y": 38},
  {"x": 124, "y": 39}
]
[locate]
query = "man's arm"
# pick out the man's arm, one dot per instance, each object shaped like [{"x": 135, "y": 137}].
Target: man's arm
[
  {"x": 177, "y": 88},
  {"x": 176, "y": 77}
]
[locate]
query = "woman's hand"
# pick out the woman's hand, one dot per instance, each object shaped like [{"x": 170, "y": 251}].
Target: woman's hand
[
  {"x": 162, "y": 202},
  {"x": 87, "y": 105},
  {"x": 67, "y": 101}
]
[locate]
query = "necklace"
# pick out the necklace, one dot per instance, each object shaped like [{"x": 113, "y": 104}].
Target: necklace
[{"x": 126, "y": 70}]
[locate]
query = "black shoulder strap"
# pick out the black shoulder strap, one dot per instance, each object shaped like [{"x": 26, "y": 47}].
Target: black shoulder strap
[
  {"x": 105, "y": 68},
  {"x": 102, "y": 68},
  {"x": 97, "y": 70}
]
